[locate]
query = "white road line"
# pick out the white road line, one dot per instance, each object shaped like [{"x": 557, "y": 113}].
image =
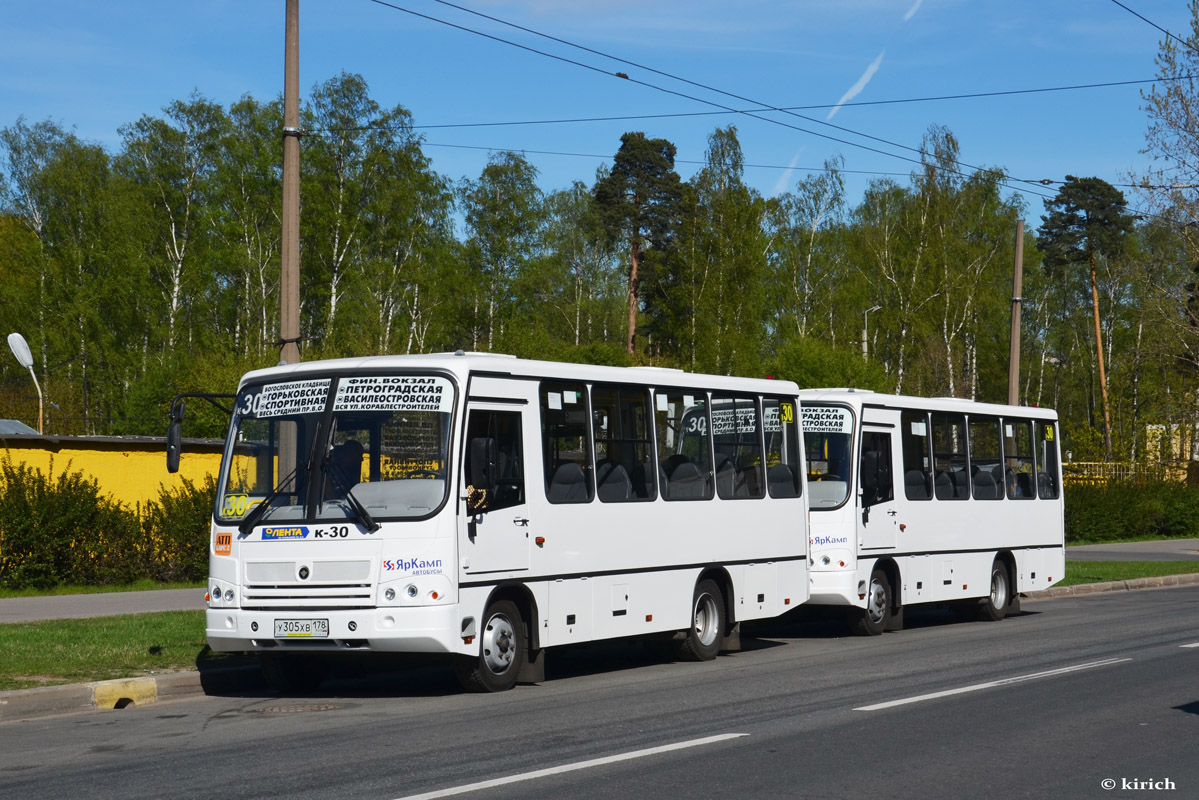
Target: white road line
[
  {"x": 1196, "y": 644},
  {"x": 990, "y": 684},
  {"x": 595, "y": 762}
]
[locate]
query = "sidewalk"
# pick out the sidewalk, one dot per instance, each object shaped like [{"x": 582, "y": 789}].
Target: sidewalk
[
  {"x": 1168, "y": 550},
  {"x": 103, "y": 604}
]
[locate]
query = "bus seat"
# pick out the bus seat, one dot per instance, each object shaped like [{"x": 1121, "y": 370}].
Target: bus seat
[
  {"x": 673, "y": 462},
  {"x": 781, "y": 481},
  {"x": 726, "y": 479},
  {"x": 612, "y": 482},
  {"x": 984, "y": 486},
  {"x": 961, "y": 483},
  {"x": 916, "y": 485},
  {"x": 943, "y": 486},
  {"x": 569, "y": 484},
  {"x": 687, "y": 483}
]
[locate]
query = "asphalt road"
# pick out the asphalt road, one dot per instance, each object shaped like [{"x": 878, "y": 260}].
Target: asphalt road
[{"x": 1050, "y": 704}]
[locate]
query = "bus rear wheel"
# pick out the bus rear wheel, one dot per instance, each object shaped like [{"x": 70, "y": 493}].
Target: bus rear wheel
[
  {"x": 873, "y": 619},
  {"x": 993, "y": 607},
  {"x": 701, "y": 642},
  {"x": 502, "y": 651}
]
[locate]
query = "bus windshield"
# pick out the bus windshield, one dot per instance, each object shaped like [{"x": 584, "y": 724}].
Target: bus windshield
[
  {"x": 828, "y": 436},
  {"x": 380, "y": 451}
]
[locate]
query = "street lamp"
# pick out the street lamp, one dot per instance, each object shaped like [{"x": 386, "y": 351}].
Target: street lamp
[
  {"x": 20, "y": 349},
  {"x": 865, "y": 330}
]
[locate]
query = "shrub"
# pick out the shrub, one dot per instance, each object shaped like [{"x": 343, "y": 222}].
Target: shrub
[
  {"x": 59, "y": 529},
  {"x": 1128, "y": 509},
  {"x": 176, "y": 530}
]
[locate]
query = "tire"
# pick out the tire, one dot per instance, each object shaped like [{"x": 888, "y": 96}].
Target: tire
[
  {"x": 993, "y": 607},
  {"x": 701, "y": 642},
  {"x": 293, "y": 674},
  {"x": 503, "y": 650},
  {"x": 873, "y": 619}
]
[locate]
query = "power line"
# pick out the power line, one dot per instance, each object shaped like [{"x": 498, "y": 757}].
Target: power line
[
  {"x": 1145, "y": 19},
  {"x": 683, "y": 95}
]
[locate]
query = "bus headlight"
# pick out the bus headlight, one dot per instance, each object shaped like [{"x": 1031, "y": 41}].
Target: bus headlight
[
  {"x": 411, "y": 590},
  {"x": 390, "y": 594},
  {"x": 228, "y": 595}
]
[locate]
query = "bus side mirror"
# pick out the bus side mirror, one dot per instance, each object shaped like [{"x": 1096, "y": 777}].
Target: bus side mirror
[
  {"x": 483, "y": 474},
  {"x": 175, "y": 439}
]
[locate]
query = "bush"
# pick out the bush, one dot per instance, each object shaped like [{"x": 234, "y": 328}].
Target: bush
[
  {"x": 176, "y": 532},
  {"x": 59, "y": 529},
  {"x": 1128, "y": 509}
]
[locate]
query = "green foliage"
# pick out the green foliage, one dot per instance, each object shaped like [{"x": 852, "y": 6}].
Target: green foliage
[
  {"x": 813, "y": 364},
  {"x": 1124, "y": 510},
  {"x": 56, "y": 528}
]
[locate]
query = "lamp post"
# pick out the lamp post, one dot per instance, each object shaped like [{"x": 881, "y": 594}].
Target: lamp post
[
  {"x": 20, "y": 349},
  {"x": 866, "y": 329}
]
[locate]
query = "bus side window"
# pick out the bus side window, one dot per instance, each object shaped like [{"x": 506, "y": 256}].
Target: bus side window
[
  {"x": 875, "y": 470},
  {"x": 504, "y": 427},
  {"x": 566, "y": 443},
  {"x": 783, "y": 465},
  {"x": 917, "y": 456},
  {"x": 1048, "y": 470}
]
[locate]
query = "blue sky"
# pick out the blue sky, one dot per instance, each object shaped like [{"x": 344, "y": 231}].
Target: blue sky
[{"x": 95, "y": 66}]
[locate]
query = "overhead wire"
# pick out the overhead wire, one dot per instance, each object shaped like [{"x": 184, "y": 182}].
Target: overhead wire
[{"x": 706, "y": 87}]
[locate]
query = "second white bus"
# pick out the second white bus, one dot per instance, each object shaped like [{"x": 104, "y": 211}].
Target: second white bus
[{"x": 916, "y": 500}]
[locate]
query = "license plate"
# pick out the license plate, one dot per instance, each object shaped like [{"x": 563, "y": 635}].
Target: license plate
[{"x": 294, "y": 628}]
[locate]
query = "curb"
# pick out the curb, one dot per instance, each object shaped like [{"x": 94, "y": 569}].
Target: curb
[
  {"x": 24, "y": 704},
  {"x": 1160, "y": 582}
]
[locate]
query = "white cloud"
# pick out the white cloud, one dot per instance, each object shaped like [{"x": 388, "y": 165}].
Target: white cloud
[
  {"x": 912, "y": 11},
  {"x": 857, "y": 88},
  {"x": 785, "y": 179}
]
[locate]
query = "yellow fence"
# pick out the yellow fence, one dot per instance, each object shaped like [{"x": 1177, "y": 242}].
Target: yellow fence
[{"x": 132, "y": 469}]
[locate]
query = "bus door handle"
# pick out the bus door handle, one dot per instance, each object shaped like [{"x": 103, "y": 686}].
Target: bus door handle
[
  {"x": 892, "y": 512},
  {"x": 521, "y": 522}
]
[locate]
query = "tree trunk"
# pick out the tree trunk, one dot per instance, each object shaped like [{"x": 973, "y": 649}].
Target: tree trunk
[{"x": 1107, "y": 419}]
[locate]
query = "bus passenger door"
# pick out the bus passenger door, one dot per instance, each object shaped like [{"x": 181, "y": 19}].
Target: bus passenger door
[
  {"x": 498, "y": 538},
  {"x": 877, "y": 524}
]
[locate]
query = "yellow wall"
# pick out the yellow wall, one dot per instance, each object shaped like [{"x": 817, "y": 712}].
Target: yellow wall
[{"x": 130, "y": 469}]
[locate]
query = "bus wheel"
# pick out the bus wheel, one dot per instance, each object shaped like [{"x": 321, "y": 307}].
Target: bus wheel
[
  {"x": 993, "y": 607},
  {"x": 293, "y": 674},
  {"x": 701, "y": 641},
  {"x": 502, "y": 651},
  {"x": 871, "y": 620}
]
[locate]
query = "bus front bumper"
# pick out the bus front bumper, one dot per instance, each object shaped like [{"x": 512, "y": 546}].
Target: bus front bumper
[{"x": 421, "y": 629}]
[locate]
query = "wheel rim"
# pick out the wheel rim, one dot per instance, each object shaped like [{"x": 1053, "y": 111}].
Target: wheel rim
[
  {"x": 499, "y": 644},
  {"x": 998, "y": 588},
  {"x": 876, "y": 606},
  {"x": 706, "y": 619}
]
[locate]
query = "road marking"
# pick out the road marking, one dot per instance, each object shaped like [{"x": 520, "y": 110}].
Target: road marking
[
  {"x": 595, "y": 762},
  {"x": 1196, "y": 644},
  {"x": 990, "y": 684}
]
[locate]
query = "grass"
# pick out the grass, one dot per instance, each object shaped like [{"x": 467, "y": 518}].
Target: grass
[
  {"x": 78, "y": 650},
  {"x": 1102, "y": 571},
  {"x": 144, "y": 585}
]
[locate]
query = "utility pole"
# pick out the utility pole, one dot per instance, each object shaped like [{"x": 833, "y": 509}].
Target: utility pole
[
  {"x": 1013, "y": 375},
  {"x": 289, "y": 249},
  {"x": 289, "y": 286}
]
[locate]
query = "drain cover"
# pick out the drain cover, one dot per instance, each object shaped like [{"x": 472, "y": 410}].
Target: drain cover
[{"x": 299, "y": 709}]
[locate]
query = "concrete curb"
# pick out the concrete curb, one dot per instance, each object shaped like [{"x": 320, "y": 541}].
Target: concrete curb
[
  {"x": 24, "y": 704},
  {"x": 1135, "y": 584}
]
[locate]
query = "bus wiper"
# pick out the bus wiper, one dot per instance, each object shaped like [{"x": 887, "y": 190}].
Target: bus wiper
[
  {"x": 252, "y": 519},
  {"x": 347, "y": 494}
]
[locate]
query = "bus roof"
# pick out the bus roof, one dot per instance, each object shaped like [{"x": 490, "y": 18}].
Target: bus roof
[
  {"x": 858, "y": 398},
  {"x": 462, "y": 363}
]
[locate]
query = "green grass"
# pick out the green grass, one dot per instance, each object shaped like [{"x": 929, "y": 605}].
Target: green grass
[
  {"x": 79, "y": 650},
  {"x": 144, "y": 585},
  {"x": 1102, "y": 571}
]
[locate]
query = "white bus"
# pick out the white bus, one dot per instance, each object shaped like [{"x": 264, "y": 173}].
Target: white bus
[
  {"x": 918, "y": 500},
  {"x": 490, "y": 508}
]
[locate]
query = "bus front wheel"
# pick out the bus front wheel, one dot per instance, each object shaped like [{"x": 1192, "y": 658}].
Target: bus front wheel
[
  {"x": 502, "y": 651},
  {"x": 873, "y": 619},
  {"x": 701, "y": 642}
]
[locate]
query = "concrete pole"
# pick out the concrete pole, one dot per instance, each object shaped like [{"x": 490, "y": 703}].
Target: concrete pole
[
  {"x": 289, "y": 286},
  {"x": 1013, "y": 375}
]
